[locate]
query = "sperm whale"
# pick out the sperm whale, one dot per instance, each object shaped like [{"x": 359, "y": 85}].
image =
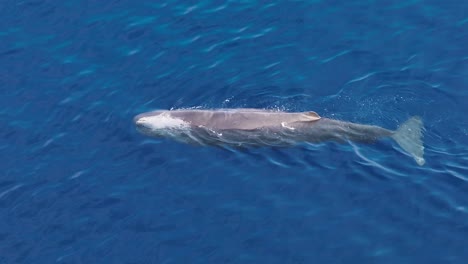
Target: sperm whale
[{"x": 260, "y": 127}]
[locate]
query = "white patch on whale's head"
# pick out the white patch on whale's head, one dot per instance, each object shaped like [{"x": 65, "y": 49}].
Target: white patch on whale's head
[
  {"x": 161, "y": 125},
  {"x": 162, "y": 121}
]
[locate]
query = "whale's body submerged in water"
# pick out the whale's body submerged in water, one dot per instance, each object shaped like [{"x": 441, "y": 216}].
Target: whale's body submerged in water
[{"x": 257, "y": 127}]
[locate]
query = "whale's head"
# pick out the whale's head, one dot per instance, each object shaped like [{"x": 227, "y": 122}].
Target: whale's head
[{"x": 160, "y": 124}]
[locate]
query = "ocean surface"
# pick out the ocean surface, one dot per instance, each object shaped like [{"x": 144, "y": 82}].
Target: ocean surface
[{"x": 78, "y": 183}]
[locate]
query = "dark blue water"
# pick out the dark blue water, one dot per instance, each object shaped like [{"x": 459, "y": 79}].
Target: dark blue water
[{"x": 78, "y": 184}]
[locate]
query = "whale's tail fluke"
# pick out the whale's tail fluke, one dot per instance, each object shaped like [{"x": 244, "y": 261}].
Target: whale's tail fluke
[{"x": 409, "y": 137}]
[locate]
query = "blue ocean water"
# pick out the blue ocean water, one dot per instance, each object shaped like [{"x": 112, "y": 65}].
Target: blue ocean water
[{"x": 79, "y": 184}]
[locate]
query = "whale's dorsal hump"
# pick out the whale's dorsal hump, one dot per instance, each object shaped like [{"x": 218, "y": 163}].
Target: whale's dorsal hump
[{"x": 313, "y": 116}]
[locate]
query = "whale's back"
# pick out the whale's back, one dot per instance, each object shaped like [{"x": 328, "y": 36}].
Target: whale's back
[{"x": 241, "y": 119}]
